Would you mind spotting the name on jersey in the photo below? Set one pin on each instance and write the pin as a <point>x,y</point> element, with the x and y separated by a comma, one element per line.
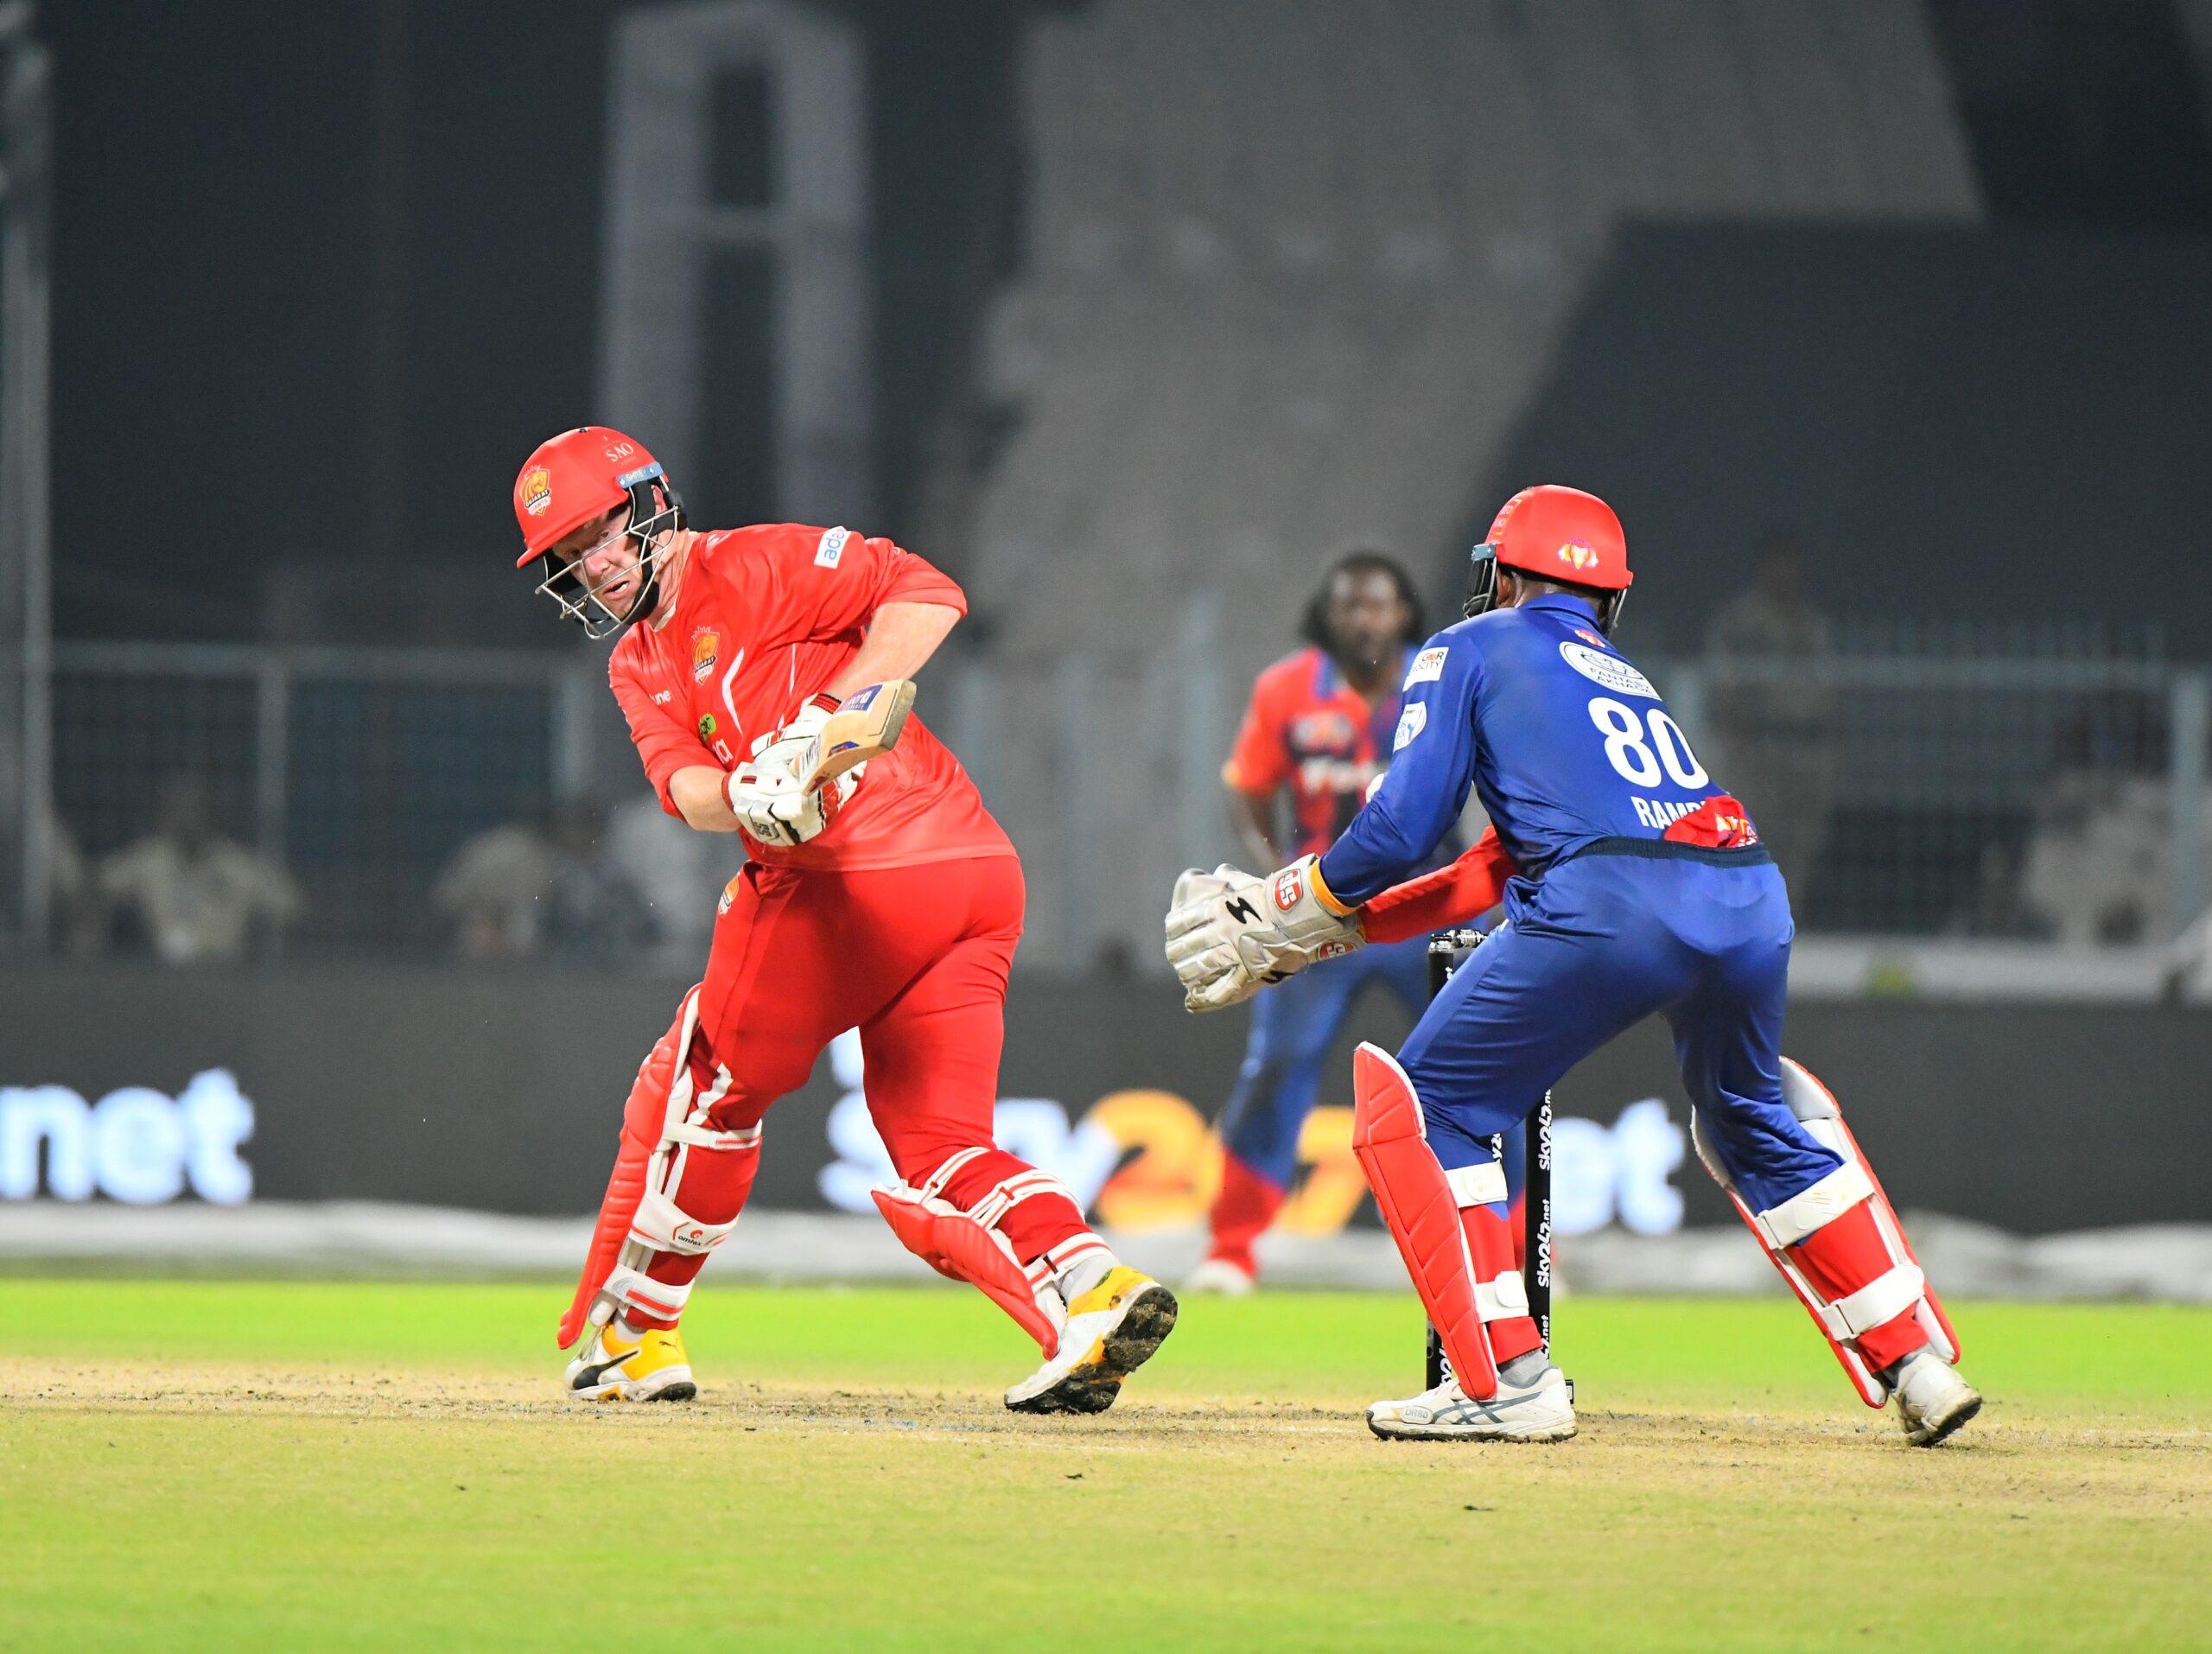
<point>1610,671</point>
<point>1334,775</point>
<point>1661,815</point>
<point>831,547</point>
<point>1427,667</point>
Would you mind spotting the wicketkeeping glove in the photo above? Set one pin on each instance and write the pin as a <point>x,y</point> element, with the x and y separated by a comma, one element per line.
<point>1230,934</point>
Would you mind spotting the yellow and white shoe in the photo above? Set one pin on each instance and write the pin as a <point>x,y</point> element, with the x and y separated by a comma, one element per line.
<point>1111,1331</point>
<point>616,1367</point>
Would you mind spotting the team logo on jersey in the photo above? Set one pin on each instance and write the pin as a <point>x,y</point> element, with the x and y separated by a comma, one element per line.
<point>536,490</point>
<point>704,645</point>
<point>1577,554</point>
<point>1289,888</point>
<point>1427,667</point>
<point>831,547</point>
<point>1323,732</point>
<point>1610,671</point>
<point>1411,722</point>
<point>707,726</point>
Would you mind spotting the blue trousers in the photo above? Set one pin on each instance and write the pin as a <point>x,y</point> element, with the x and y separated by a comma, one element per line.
<point>1294,1025</point>
<point>1603,941</point>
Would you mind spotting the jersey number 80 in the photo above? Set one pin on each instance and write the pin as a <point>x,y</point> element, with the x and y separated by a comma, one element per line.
<point>1638,760</point>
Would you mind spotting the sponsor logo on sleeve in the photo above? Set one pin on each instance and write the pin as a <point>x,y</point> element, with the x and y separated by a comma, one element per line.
<point>662,698</point>
<point>1610,671</point>
<point>1411,722</point>
<point>707,726</point>
<point>536,490</point>
<point>1427,667</point>
<point>831,548</point>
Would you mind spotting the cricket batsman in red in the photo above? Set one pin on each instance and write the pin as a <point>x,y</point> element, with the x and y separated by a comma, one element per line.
<point>885,900</point>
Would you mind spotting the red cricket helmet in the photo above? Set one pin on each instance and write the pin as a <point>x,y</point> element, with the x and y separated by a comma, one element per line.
<point>578,476</point>
<point>1554,533</point>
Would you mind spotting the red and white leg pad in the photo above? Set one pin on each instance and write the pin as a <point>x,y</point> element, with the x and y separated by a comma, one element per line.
<point>1879,1288</point>
<point>669,1153</point>
<point>971,1245</point>
<point>1389,1136</point>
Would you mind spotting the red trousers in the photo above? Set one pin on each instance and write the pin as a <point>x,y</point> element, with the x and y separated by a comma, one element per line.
<point>916,958</point>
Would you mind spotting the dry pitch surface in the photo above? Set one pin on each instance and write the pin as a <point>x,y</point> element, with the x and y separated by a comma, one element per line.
<point>244,1466</point>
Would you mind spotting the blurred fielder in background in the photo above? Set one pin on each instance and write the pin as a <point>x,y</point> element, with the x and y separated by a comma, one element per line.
<point>1318,729</point>
<point>1634,884</point>
<point>885,898</point>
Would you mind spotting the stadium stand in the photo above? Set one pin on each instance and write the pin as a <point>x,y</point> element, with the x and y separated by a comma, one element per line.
<point>1292,271</point>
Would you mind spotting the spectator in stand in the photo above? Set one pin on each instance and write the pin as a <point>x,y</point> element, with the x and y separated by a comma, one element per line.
<point>492,891</point>
<point>1781,730</point>
<point>2100,863</point>
<point>539,886</point>
<point>678,872</point>
<point>592,910</point>
<point>70,910</point>
<point>194,896</point>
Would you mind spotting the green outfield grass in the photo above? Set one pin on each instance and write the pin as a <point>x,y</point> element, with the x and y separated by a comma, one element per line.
<point>236,1465</point>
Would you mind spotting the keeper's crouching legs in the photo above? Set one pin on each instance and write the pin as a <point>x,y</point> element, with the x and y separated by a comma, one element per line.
<point>1839,1245</point>
<point>1452,1231</point>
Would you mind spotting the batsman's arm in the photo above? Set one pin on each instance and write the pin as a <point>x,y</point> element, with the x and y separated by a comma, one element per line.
<point>1452,896</point>
<point>902,637</point>
<point>699,795</point>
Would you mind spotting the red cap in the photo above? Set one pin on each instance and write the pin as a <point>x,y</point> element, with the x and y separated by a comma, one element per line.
<point>1557,533</point>
<point>580,474</point>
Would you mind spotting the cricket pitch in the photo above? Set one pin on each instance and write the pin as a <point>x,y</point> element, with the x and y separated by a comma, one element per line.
<point>195,1463</point>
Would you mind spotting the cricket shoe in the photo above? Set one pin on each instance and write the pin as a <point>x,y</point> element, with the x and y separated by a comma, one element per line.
<point>617,1367</point>
<point>1543,1411</point>
<point>1111,1331</point>
<point>1933,1401</point>
<point>1221,1276</point>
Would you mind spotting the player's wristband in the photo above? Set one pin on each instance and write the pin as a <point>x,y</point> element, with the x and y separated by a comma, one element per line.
<point>1322,894</point>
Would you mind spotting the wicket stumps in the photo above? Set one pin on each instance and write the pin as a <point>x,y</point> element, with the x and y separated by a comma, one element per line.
<point>1446,951</point>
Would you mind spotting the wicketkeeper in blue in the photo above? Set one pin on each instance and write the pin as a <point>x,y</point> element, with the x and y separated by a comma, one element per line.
<point>1638,886</point>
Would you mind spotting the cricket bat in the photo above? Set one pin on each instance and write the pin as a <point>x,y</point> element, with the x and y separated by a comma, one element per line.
<point>869,723</point>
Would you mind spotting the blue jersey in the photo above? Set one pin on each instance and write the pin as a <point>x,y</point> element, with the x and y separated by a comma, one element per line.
<point>1564,741</point>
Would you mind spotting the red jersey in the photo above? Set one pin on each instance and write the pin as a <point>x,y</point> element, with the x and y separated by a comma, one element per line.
<point>762,619</point>
<point>1309,730</point>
